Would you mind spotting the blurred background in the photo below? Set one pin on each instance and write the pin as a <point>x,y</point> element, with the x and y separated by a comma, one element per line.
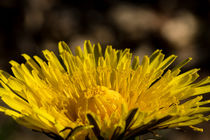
<point>175,26</point>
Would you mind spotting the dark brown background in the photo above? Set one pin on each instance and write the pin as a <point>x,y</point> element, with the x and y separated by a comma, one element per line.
<point>175,26</point>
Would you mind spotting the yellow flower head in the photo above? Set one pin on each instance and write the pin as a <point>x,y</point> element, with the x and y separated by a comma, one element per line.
<point>96,95</point>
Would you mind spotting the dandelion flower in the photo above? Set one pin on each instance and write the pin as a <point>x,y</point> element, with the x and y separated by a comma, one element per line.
<point>96,95</point>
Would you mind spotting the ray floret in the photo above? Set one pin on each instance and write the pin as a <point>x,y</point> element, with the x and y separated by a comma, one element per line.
<point>102,93</point>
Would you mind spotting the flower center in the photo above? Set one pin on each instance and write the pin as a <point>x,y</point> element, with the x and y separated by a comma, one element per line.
<point>101,101</point>
<point>94,92</point>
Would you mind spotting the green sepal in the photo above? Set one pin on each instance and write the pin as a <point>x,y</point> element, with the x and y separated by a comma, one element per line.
<point>96,129</point>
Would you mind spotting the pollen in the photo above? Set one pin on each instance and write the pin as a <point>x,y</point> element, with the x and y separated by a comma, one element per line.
<point>95,92</point>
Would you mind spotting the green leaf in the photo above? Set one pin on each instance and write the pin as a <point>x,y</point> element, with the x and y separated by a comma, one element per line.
<point>130,118</point>
<point>116,133</point>
<point>128,123</point>
<point>96,128</point>
<point>145,128</point>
